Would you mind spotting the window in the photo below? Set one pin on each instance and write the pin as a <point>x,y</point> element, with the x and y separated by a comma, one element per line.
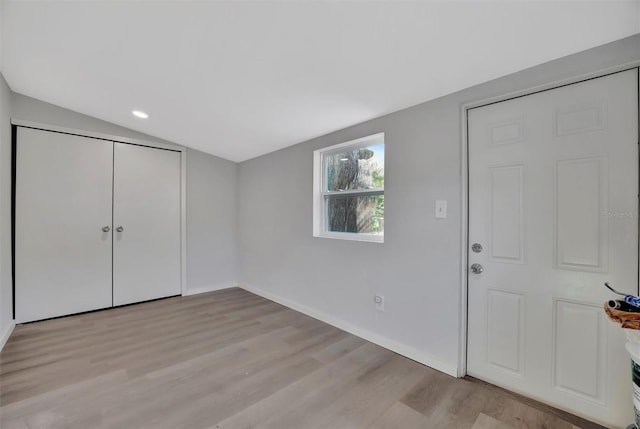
<point>349,190</point>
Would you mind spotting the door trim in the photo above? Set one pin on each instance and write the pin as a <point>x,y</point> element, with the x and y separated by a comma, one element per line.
<point>118,139</point>
<point>464,195</point>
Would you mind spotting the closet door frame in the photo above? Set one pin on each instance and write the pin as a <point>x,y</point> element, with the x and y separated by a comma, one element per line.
<point>117,139</point>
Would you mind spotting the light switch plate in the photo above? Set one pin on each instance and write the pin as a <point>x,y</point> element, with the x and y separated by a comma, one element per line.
<point>441,209</point>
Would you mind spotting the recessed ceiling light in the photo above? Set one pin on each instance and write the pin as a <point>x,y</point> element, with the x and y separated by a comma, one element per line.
<point>140,114</point>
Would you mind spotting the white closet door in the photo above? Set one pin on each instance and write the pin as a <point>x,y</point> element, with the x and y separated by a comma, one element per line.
<point>146,219</point>
<point>63,202</point>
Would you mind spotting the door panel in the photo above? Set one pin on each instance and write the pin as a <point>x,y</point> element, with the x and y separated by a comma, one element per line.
<point>505,336</point>
<point>147,252</point>
<point>507,211</point>
<point>553,199</point>
<point>63,200</point>
<point>580,339</point>
<point>582,232</point>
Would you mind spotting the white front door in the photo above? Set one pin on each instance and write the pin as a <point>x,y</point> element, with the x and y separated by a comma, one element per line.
<point>146,220</point>
<point>553,201</point>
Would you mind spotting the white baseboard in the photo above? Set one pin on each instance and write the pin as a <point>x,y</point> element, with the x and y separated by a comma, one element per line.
<point>210,288</point>
<point>402,349</point>
<point>6,334</point>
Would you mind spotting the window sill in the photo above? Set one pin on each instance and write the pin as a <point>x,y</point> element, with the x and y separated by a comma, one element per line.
<point>372,238</point>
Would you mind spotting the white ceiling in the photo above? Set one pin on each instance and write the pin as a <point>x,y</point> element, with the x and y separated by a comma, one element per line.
<point>240,79</point>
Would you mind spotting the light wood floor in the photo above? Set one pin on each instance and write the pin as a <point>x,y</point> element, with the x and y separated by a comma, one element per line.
<point>231,359</point>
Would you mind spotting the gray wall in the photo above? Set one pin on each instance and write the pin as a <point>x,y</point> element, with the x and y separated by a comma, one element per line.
<point>211,195</point>
<point>211,222</point>
<point>417,268</point>
<point>6,300</point>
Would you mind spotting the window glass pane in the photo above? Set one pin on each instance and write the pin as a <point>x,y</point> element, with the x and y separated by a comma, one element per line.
<point>359,168</point>
<point>355,213</point>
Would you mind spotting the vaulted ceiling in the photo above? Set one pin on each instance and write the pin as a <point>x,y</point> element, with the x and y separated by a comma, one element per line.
<point>240,79</point>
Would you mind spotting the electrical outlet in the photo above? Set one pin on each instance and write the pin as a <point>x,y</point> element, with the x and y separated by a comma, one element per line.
<point>379,301</point>
<point>441,209</point>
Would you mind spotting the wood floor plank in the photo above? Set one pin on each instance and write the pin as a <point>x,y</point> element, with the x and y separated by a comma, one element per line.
<point>338,349</point>
<point>231,359</point>
<point>290,407</point>
<point>365,401</point>
<point>485,422</point>
<point>400,416</point>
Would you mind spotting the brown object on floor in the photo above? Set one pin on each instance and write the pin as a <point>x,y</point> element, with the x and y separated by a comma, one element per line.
<point>626,319</point>
<point>231,359</point>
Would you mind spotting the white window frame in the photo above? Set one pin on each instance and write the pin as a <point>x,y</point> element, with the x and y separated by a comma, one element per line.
<point>320,194</point>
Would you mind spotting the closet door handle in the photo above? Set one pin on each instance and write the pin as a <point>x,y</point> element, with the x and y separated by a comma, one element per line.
<point>106,229</point>
<point>119,229</point>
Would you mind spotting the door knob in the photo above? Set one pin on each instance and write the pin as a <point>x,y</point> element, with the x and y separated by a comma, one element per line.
<point>106,229</point>
<point>476,269</point>
<point>119,229</point>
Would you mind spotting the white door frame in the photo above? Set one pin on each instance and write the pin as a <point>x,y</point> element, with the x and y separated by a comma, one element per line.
<point>464,195</point>
<point>119,139</point>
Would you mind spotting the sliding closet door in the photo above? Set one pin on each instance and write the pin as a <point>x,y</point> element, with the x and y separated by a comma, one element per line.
<point>63,224</point>
<point>146,219</point>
